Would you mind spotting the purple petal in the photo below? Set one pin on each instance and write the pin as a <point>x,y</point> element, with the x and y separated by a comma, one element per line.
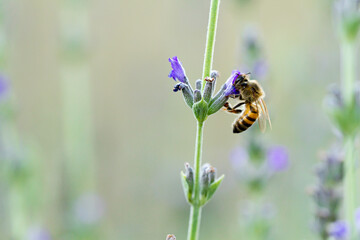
<point>277,158</point>
<point>177,72</point>
<point>230,89</point>
<point>338,230</point>
<point>4,86</point>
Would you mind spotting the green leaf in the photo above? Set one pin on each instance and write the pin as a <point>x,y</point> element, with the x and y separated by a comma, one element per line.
<point>185,186</point>
<point>212,189</point>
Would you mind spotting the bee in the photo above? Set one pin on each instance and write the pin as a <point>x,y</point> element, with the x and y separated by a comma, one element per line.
<point>252,95</point>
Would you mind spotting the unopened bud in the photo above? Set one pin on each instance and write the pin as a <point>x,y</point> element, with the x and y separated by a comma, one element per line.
<point>205,179</point>
<point>208,89</point>
<point>170,237</point>
<point>197,95</point>
<point>218,101</point>
<point>214,75</point>
<point>189,173</point>
<point>187,93</point>
<point>198,84</point>
<point>212,174</point>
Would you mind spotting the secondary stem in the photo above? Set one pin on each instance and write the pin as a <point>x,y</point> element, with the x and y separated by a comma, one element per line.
<point>348,70</point>
<point>195,212</point>
<point>210,40</point>
<point>350,185</point>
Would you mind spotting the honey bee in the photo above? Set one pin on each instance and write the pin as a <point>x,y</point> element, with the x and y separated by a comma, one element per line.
<point>252,95</point>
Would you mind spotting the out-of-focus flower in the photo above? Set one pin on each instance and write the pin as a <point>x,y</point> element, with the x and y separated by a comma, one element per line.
<point>330,169</point>
<point>338,230</point>
<point>230,89</point>
<point>177,72</point>
<point>239,158</point>
<point>260,69</point>
<point>89,208</point>
<point>38,233</point>
<point>4,86</point>
<point>277,158</point>
<point>357,219</point>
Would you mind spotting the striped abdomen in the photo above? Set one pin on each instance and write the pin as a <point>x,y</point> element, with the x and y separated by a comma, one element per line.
<point>246,119</point>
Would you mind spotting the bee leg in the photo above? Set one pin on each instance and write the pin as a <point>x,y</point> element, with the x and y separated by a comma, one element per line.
<point>228,108</point>
<point>238,105</point>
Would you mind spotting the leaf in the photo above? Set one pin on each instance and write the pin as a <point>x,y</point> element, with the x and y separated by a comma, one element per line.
<point>185,186</point>
<point>213,187</point>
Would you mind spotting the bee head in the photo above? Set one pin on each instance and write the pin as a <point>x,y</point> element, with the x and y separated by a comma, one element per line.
<point>241,81</point>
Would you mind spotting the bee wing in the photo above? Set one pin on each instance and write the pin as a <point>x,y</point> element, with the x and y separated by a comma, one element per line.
<point>262,118</point>
<point>264,115</point>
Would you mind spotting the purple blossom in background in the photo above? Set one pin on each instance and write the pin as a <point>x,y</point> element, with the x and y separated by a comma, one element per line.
<point>239,158</point>
<point>338,230</point>
<point>260,68</point>
<point>357,219</point>
<point>38,233</point>
<point>177,72</point>
<point>4,86</point>
<point>277,158</point>
<point>89,208</point>
<point>230,89</point>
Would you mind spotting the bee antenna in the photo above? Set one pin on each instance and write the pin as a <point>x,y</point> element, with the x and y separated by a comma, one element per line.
<point>248,73</point>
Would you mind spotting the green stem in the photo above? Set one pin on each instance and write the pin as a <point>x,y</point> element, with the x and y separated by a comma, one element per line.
<point>210,40</point>
<point>350,185</point>
<point>195,212</point>
<point>348,68</point>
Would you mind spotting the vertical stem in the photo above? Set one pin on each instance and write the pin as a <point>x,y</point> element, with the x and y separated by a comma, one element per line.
<point>350,185</point>
<point>195,212</point>
<point>210,40</point>
<point>348,70</point>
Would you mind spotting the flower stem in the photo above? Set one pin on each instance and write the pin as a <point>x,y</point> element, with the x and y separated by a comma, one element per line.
<point>210,40</point>
<point>348,70</point>
<point>195,211</point>
<point>350,185</point>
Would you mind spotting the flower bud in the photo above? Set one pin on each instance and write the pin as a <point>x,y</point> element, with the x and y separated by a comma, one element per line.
<point>197,95</point>
<point>218,103</point>
<point>208,89</point>
<point>170,237</point>
<point>214,75</point>
<point>205,180</point>
<point>187,93</point>
<point>189,173</point>
<point>198,84</point>
<point>212,174</point>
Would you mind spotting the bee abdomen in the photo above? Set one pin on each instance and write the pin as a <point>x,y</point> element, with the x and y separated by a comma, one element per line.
<point>244,122</point>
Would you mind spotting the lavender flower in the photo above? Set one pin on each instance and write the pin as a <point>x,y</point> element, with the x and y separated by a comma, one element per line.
<point>38,233</point>
<point>230,89</point>
<point>338,230</point>
<point>177,72</point>
<point>4,86</point>
<point>277,158</point>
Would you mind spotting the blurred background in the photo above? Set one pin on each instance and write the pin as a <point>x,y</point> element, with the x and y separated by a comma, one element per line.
<point>93,137</point>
